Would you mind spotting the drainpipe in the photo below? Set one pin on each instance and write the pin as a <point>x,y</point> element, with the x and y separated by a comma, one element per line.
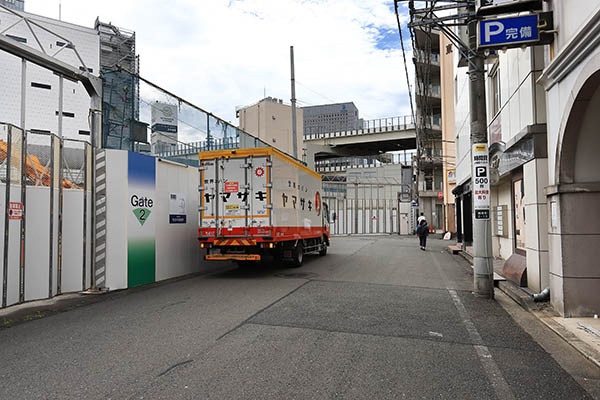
<point>542,296</point>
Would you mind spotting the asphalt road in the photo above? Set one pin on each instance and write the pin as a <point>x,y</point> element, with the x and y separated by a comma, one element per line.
<point>376,318</point>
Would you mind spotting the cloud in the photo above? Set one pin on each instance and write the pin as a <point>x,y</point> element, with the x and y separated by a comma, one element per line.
<point>219,54</point>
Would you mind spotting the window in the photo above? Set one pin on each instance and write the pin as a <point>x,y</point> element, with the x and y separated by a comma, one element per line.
<point>86,133</point>
<point>494,85</point>
<point>66,114</point>
<point>63,44</point>
<point>17,38</point>
<point>519,209</point>
<point>40,85</point>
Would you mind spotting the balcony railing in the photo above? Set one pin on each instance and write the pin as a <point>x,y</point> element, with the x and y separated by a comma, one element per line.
<point>430,91</point>
<point>422,57</point>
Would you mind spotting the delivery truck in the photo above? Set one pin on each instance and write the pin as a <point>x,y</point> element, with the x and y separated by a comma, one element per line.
<point>260,203</point>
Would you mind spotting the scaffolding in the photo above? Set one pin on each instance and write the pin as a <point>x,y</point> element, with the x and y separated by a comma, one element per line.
<point>121,92</point>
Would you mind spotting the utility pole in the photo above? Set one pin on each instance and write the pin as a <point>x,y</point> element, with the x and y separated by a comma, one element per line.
<point>483,274</point>
<point>294,130</point>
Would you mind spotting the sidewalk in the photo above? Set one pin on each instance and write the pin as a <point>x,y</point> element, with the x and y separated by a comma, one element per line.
<point>583,334</point>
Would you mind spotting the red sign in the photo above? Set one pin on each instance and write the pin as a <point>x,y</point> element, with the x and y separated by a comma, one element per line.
<point>318,203</point>
<point>15,210</point>
<point>440,195</point>
<point>232,187</point>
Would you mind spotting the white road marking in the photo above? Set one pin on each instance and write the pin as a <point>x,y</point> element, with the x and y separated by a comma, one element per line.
<point>490,367</point>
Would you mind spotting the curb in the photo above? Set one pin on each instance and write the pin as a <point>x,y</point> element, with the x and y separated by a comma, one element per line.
<point>545,314</point>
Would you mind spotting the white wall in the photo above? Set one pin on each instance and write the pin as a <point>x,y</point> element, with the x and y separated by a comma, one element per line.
<point>522,100</point>
<point>177,247</point>
<point>462,127</point>
<point>116,217</point>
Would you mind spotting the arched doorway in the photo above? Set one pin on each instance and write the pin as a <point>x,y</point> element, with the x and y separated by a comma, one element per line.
<point>574,207</point>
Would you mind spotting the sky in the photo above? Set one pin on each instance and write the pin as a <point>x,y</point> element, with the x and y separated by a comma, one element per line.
<point>219,54</point>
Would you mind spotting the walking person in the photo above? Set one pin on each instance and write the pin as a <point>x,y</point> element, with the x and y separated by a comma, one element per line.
<point>423,232</point>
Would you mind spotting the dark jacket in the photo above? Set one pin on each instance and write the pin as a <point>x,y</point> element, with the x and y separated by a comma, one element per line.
<point>423,230</point>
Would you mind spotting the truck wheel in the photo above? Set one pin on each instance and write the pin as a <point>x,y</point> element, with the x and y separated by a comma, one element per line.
<point>323,251</point>
<point>297,256</point>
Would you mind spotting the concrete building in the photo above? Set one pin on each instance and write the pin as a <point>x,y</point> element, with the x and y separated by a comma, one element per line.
<point>542,104</point>
<point>271,121</point>
<point>42,85</point>
<point>517,136</point>
<point>429,127</point>
<point>18,5</point>
<point>571,195</point>
<point>327,118</point>
<point>448,147</point>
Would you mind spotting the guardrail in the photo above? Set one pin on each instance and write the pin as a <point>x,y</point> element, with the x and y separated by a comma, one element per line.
<point>380,125</point>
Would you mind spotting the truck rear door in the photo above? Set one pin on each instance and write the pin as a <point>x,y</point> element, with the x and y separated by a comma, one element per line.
<point>234,194</point>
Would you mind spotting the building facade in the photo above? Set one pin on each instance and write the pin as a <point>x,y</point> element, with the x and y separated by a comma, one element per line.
<point>516,115</point>
<point>43,86</point>
<point>271,121</point>
<point>448,148</point>
<point>328,118</point>
<point>571,79</point>
<point>542,104</point>
<point>428,110</point>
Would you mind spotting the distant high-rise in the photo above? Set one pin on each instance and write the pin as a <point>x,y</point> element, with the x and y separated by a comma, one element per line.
<point>331,118</point>
<point>18,5</point>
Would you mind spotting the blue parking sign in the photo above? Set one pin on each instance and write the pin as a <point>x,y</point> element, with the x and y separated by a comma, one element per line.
<point>508,32</point>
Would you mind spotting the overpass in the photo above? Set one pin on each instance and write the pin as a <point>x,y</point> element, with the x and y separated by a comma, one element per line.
<point>376,137</point>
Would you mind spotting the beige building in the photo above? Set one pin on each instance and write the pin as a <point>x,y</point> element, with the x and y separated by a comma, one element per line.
<point>448,148</point>
<point>271,121</point>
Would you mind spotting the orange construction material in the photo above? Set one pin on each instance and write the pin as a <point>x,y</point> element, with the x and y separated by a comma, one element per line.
<point>35,170</point>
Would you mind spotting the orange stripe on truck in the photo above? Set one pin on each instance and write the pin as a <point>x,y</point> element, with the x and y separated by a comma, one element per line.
<point>235,242</point>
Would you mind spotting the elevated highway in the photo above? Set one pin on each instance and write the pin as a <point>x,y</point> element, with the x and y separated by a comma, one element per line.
<point>377,136</point>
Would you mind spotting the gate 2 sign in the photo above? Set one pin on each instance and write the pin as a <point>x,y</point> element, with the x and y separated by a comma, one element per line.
<point>508,32</point>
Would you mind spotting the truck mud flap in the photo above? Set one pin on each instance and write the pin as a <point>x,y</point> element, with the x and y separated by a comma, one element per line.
<point>236,257</point>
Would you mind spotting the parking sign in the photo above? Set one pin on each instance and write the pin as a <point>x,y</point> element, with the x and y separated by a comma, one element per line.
<point>508,32</point>
<point>481,181</point>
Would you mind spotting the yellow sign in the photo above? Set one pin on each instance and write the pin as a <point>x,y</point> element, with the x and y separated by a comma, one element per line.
<point>232,207</point>
<point>481,148</point>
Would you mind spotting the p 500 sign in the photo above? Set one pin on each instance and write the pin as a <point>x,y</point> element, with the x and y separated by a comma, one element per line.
<point>508,32</point>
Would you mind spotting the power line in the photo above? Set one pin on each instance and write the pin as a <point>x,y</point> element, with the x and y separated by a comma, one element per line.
<point>315,92</point>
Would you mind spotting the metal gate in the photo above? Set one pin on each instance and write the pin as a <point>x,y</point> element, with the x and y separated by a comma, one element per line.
<point>369,206</point>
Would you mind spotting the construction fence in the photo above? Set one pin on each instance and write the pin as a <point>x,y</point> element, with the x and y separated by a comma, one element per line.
<point>142,117</point>
<point>46,202</point>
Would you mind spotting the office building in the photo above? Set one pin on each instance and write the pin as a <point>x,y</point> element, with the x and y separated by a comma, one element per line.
<point>331,118</point>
